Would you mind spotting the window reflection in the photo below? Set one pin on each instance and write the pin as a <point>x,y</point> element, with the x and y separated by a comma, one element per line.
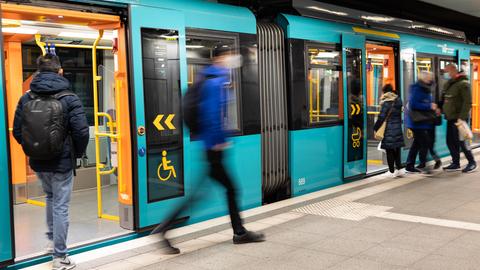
<point>324,82</point>
<point>200,51</point>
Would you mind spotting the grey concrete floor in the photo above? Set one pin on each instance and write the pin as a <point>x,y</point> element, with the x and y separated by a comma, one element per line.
<point>319,242</point>
<point>30,226</point>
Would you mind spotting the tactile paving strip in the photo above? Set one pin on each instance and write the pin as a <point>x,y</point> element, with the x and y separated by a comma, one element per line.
<point>343,209</point>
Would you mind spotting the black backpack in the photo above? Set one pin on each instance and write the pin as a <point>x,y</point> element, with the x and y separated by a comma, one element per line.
<point>43,126</point>
<point>190,106</point>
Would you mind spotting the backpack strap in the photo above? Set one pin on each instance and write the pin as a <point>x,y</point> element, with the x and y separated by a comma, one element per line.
<point>31,94</point>
<point>63,93</point>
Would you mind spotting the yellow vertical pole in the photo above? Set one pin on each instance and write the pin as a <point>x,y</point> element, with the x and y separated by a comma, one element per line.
<point>318,95</point>
<point>97,78</point>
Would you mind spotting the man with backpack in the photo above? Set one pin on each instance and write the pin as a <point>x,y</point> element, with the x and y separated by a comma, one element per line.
<point>202,111</point>
<point>52,128</point>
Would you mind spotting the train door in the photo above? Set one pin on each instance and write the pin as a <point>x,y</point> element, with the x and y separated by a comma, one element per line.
<point>159,71</point>
<point>475,81</point>
<point>353,47</point>
<point>381,69</point>
<point>91,48</point>
<point>6,223</point>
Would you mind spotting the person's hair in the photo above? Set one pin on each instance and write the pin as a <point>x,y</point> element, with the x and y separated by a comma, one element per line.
<point>424,75</point>
<point>388,88</point>
<point>48,63</point>
<point>452,66</point>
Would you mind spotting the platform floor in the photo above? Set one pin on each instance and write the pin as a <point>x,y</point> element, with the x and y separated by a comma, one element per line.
<point>414,222</point>
<point>30,226</point>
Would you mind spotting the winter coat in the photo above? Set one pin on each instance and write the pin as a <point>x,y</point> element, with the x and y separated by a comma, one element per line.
<point>49,83</point>
<point>210,107</point>
<point>393,137</point>
<point>457,99</point>
<point>421,100</point>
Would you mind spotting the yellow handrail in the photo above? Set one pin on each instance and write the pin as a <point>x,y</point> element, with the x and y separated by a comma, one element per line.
<point>40,44</point>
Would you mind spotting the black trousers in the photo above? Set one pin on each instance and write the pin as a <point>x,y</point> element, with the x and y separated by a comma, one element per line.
<point>421,144</point>
<point>218,173</point>
<point>455,145</point>
<point>394,159</point>
<point>431,148</point>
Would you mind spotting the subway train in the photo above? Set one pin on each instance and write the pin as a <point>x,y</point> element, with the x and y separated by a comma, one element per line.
<point>300,109</point>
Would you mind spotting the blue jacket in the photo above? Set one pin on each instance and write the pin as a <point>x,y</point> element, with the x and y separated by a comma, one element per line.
<point>212,101</point>
<point>420,99</point>
<point>49,83</point>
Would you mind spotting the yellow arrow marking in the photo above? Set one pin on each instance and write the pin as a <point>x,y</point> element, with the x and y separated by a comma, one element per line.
<point>353,109</point>
<point>156,122</point>
<point>168,121</point>
<point>358,108</point>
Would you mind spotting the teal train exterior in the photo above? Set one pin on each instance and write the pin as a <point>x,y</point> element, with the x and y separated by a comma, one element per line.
<point>318,154</point>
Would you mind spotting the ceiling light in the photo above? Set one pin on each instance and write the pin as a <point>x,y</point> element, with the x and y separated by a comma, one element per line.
<point>377,18</point>
<point>326,55</point>
<point>328,11</point>
<point>20,30</point>
<point>87,35</point>
<point>194,46</point>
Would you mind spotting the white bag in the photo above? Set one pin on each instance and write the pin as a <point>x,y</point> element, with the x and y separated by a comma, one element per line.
<point>464,131</point>
<point>379,147</point>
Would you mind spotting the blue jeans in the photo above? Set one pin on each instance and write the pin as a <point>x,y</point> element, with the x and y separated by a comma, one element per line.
<point>58,188</point>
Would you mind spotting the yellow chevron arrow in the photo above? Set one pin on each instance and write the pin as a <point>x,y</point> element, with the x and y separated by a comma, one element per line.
<point>156,122</point>
<point>358,108</point>
<point>168,121</point>
<point>353,109</point>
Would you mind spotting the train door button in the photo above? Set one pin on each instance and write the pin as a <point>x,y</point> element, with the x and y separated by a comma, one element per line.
<point>141,130</point>
<point>141,151</point>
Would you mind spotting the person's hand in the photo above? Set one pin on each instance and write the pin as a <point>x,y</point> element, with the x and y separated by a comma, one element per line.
<point>434,106</point>
<point>221,146</point>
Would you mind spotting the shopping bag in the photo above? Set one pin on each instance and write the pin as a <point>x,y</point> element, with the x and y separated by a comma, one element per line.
<point>464,131</point>
<point>380,133</point>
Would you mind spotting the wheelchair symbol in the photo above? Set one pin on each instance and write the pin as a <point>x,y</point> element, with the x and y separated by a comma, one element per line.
<point>164,166</point>
<point>356,136</point>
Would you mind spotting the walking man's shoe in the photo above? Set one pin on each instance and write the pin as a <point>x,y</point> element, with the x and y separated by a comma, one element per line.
<point>248,237</point>
<point>63,263</point>
<point>471,167</point>
<point>452,168</point>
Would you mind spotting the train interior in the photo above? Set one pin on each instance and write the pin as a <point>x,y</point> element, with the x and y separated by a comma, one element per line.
<point>88,48</point>
<point>380,71</point>
<point>474,70</point>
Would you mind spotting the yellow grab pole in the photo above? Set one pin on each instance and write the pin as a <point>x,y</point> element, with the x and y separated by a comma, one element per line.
<point>40,44</point>
<point>97,78</point>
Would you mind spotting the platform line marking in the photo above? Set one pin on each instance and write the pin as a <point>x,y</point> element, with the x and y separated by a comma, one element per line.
<point>430,221</point>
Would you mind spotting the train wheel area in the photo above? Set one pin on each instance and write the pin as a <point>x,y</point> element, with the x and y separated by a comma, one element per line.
<point>92,50</point>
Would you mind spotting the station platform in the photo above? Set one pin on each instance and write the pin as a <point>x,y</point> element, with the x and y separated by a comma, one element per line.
<point>413,222</point>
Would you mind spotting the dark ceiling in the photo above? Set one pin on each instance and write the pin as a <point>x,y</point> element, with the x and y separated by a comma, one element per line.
<point>406,9</point>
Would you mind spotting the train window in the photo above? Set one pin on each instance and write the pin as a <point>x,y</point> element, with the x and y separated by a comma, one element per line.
<point>323,84</point>
<point>408,73</point>
<point>77,68</point>
<point>200,51</point>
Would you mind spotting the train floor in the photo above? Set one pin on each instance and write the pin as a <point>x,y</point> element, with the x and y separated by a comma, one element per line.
<point>85,226</point>
<point>413,222</point>
<point>375,159</point>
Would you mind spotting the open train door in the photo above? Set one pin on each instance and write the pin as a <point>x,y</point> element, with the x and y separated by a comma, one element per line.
<point>159,74</point>
<point>354,151</point>
<point>6,241</point>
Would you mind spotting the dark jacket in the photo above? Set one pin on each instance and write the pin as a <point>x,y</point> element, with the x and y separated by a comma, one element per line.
<point>421,100</point>
<point>393,137</point>
<point>457,98</point>
<point>49,83</point>
<point>212,101</point>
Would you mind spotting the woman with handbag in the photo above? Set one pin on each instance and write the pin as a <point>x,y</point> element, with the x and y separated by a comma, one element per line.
<point>388,128</point>
<point>420,118</point>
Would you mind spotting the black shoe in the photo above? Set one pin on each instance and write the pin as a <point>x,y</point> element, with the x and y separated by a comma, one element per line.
<point>471,167</point>
<point>412,170</point>
<point>421,166</point>
<point>168,249</point>
<point>452,168</point>
<point>248,237</point>
<point>438,164</point>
